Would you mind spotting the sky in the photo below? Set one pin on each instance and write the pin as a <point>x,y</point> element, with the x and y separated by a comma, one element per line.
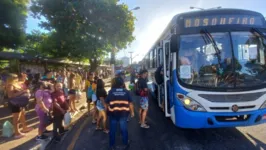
<point>154,15</point>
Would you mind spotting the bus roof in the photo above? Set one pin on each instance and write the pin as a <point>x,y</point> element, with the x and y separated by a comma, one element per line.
<point>172,24</point>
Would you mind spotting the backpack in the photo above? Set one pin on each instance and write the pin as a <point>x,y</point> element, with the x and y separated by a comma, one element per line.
<point>158,76</point>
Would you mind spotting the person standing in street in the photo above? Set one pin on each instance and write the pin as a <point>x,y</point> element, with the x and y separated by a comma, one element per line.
<point>118,102</point>
<point>132,76</point>
<point>122,76</point>
<point>144,100</point>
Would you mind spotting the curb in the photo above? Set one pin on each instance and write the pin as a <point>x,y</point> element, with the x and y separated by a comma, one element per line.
<point>69,127</point>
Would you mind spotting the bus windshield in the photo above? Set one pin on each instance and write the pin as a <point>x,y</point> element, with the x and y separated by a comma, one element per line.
<point>223,64</point>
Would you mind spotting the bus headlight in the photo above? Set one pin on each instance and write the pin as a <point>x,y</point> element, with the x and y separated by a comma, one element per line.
<point>263,105</point>
<point>189,103</point>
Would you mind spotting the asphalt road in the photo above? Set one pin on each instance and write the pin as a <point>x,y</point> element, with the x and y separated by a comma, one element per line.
<point>163,135</point>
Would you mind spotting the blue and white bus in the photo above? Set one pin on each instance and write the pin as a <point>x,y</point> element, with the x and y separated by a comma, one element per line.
<point>214,65</point>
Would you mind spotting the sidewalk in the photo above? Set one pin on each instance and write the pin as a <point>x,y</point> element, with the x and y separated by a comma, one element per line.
<point>29,142</point>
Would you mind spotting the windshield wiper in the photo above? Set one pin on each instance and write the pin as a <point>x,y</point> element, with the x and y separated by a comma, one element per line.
<point>255,30</point>
<point>212,41</point>
<point>252,30</point>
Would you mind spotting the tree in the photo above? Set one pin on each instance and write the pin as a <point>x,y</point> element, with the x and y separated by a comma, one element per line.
<point>119,63</point>
<point>86,29</point>
<point>12,23</point>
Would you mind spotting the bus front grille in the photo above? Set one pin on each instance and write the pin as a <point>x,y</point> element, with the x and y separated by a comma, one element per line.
<point>222,98</point>
<point>227,108</point>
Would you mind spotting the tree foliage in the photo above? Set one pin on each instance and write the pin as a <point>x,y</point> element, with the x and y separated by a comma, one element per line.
<point>86,28</point>
<point>38,43</point>
<point>12,23</point>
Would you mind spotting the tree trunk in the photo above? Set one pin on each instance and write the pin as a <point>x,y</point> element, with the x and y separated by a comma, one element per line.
<point>93,65</point>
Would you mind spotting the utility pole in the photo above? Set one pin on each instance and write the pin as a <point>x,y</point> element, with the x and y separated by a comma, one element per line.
<point>131,57</point>
<point>112,62</point>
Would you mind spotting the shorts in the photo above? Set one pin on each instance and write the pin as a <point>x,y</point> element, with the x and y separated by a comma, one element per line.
<point>99,105</point>
<point>14,109</point>
<point>72,92</point>
<point>144,103</point>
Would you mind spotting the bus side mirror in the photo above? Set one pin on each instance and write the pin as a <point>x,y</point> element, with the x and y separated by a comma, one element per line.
<point>174,43</point>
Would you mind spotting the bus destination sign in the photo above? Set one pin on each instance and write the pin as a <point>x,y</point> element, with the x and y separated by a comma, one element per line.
<point>223,20</point>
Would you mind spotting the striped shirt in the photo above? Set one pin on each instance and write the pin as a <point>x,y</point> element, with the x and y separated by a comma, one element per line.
<point>118,100</point>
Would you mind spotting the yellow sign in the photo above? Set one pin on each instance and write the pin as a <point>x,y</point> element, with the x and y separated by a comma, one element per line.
<point>222,20</point>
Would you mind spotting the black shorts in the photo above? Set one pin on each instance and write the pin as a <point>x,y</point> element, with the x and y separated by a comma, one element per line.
<point>14,109</point>
<point>72,92</point>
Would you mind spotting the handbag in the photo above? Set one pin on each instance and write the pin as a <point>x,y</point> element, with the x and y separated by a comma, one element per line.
<point>94,97</point>
<point>67,119</point>
<point>20,101</point>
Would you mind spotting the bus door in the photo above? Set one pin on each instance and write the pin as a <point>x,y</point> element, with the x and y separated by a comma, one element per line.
<point>159,87</point>
<point>166,63</point>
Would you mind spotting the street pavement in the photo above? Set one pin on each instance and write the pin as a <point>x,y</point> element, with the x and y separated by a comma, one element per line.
<point>163,135</point>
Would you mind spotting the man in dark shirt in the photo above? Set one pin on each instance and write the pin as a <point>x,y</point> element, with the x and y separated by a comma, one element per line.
<point>122,76</point>
<point>118,102</point>
<point>144,100</point>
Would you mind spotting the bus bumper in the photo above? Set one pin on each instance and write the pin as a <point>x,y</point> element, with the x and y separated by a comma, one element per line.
<point>196,120</point>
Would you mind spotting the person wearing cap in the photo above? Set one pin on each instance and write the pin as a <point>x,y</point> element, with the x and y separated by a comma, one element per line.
<point>118,102</point>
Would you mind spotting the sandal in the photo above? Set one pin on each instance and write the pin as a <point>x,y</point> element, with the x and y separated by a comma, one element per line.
<point>145,126</point>
<point>98,128</point>
<point>106,131</point>
<point>94,121</point>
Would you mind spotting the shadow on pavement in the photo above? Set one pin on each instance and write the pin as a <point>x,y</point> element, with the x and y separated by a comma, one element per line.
<point>164,135</point>
<point>259,143</point>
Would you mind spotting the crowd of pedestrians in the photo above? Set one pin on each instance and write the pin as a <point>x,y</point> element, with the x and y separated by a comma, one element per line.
<point>57,93</point>
<point>117,105</point>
